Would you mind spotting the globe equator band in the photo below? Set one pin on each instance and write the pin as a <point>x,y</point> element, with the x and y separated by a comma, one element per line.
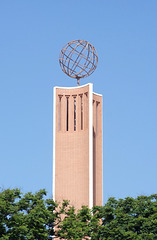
<point>80,64</point>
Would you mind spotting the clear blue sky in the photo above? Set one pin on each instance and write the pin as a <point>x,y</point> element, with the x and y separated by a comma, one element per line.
<point>124,34</point>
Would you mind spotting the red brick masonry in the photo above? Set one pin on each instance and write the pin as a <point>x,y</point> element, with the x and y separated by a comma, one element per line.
<point>73,178</point>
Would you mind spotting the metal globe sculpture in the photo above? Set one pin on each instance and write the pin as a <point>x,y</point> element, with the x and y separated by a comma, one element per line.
<point>78,59</point>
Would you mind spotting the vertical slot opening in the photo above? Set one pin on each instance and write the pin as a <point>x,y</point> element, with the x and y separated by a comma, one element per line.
<point>59,113</point>
<point>81,112</point>
<point>96,130</point>
<point>74,113</point>
<point>86,110</point>
<point>67,123</point>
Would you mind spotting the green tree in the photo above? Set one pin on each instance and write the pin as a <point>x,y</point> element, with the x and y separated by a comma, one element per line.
<point>26,217</point>
<point>130,218</point>
<point>30,217</point>
<point>75,225</point>
<point>127,219</point>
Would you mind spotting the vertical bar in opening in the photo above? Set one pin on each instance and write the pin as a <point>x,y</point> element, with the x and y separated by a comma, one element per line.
<point>67,123</point>
<point>74,113</point>
<point>81,112</point>
<point>59,113</point>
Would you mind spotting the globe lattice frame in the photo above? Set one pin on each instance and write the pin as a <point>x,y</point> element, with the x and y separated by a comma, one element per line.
<point>78,59</point>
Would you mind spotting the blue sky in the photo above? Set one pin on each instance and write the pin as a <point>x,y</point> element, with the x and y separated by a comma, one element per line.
<point>124,34</point>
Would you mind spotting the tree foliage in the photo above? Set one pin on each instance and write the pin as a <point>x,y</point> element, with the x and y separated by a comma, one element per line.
<point>26,217</point>
<point>29,216</point>
<point>123,219</point>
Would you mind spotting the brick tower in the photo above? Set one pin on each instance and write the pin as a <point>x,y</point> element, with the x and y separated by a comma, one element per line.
<point>77,146</point>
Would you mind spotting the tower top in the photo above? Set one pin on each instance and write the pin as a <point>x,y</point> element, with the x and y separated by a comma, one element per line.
<point>78,59</point>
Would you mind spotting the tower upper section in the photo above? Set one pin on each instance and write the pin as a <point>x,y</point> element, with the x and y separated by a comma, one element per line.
<point>77,146</point>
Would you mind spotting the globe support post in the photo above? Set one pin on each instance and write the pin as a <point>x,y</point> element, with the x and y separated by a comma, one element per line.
<point>78,81</point>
